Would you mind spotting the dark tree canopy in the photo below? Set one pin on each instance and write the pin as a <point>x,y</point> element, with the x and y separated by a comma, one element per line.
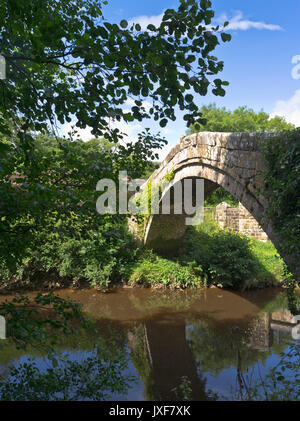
<point>64,60</point>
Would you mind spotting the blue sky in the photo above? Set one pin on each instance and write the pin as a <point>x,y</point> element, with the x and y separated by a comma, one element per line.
<point>258,59</point>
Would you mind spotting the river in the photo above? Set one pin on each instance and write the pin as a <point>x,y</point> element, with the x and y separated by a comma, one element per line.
<point>195,344</point>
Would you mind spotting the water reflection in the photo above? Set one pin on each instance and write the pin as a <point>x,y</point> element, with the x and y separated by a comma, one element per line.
<point>167,352</point>
<point>165,362</point>
<point>193,345</point>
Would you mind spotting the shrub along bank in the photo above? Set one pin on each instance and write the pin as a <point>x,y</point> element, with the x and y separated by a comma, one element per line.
<point>209,256</point>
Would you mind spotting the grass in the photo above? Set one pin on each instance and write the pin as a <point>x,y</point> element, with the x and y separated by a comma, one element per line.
<point>154,271</point>
<point>270,266</point>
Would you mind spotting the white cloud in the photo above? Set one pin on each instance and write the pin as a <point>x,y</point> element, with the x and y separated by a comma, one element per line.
<point>84,134</point>
<point>238,22</point>
<point>289,109</point>
<point>130,129</point>
<point>144,20</point>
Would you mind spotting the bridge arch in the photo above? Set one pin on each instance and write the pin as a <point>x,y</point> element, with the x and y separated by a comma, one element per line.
<point>233,161</point>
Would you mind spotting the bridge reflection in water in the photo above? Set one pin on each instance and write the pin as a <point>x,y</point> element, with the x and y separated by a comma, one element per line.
<point>163,359</point>
<point>172,357</point>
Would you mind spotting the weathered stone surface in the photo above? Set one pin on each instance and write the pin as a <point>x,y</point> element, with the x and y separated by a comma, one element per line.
<point>2,327</point>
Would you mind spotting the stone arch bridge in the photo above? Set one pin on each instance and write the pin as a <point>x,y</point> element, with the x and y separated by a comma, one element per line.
<point>231,160</point>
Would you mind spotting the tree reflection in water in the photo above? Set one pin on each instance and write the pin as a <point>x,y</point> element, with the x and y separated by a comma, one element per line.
<point>95,377</point>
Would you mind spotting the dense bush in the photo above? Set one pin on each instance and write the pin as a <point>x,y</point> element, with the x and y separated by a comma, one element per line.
<point>225,257</point>
<point>98,257</point>
<point>49,226</point>
<point>282,180</point>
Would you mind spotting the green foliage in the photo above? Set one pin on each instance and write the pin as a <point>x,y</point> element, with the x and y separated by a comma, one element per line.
<point>150,168</point>
<point>242,119</point>
<point>48,218</point>
<point>292,297</point>
<point>155,271</point>
<point>64,65</point>
<point>169,176</point>
<point>282,178</point>
<point>147,198</point>
<point>64,59</point>
<point>269,266</point>
<point>220,195</point>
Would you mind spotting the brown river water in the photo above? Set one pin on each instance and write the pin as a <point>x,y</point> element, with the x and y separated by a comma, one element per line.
<point>194,344</point>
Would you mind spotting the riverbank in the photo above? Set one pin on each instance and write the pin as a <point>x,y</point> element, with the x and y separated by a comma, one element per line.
<point>209,256</point>
<point>50,285</point>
